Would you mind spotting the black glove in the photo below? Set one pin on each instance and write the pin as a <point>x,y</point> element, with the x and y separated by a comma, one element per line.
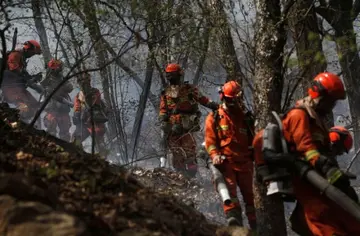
<point>76,118</point>
<point>350,191</point>
<point>350,175</point>
<point>329,168</point>
<point>213,105</point>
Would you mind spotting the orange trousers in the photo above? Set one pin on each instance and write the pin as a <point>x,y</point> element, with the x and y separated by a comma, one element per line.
<point>82,132</point>
<point>324,217</point>
<point>52,120</point>
<point>22,99</point>
<point>241,176</point>
<point>183,148</point>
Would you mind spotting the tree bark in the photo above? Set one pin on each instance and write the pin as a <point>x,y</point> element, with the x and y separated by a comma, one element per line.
<point>228,53</point>
<point>340,15</point>
<point>37,14</point>
<point>153,99</point>
<point>151,29</point>
<point>304,26</point>
<point>311,59</point>
<point>101,57</point>
<point>270,42</point>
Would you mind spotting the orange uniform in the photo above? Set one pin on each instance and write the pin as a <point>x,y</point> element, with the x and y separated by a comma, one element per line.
<point>179,110</point>
<point>58,113</point>
<point>228,135</point>
<point>14,85</point>
<point>16,61</point>
<point>180,100</point>
<point>83,125</point>
<point>306,135</point>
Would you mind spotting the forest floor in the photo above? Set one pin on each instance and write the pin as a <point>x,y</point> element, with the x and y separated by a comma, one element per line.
<point>50,187</point>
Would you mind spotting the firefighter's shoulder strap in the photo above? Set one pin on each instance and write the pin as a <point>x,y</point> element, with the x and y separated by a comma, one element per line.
<point>217,117</point>
<point>163,95</point>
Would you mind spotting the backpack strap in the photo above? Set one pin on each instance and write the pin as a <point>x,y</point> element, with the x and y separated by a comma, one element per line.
<point>217,117</point>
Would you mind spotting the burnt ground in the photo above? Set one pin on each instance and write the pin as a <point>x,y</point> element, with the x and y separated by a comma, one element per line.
<point>50,187</point>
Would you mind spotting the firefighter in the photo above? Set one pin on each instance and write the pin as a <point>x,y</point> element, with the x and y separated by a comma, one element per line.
<point>228,137</point>
<point>57,113</point>
<point>16,79</point>
<point>341,143</point>
<point>82,116</point>
<point>341,140</point>
<point>180,116</point>
<point>308,138</point>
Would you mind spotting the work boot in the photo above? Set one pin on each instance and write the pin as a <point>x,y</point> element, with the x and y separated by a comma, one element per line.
<point>234,217</point>
<point>190,170</point>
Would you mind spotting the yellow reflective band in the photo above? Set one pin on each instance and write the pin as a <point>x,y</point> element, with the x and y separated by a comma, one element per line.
<point>170,102</point>
<point>334,177</point>
<point>210,148</point>
<point>224,127</point>
<point>311,154</point>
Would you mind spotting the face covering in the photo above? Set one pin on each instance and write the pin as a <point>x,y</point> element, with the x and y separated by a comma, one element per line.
<point>174,81</point>
<point>233,104</point>
<point>325,106</point>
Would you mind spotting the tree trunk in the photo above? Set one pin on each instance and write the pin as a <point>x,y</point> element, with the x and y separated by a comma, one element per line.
<point>228,53</point>
<point>269,46</point>
<point>101,57</point>
<point>153,99</point>
<point>57,35</point>
<point>311,59</point>
<point>142,105</point>
<point>339,14</point>
<point>37,14</point>
<point>152,21</point>
<point>305,32</point>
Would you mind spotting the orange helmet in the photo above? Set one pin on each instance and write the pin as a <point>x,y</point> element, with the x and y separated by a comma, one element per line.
<point>231,89</point>
<point>55,64</point>
<point>327,84</point>
<point>32,45</point>
<point>173,67</point>
<point>341,137</point>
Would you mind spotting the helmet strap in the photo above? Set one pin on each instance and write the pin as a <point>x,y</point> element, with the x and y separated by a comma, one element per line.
<point>318,89</point>
<point>173,78</point>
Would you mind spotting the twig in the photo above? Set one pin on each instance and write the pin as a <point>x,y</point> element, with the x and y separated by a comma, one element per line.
<point>66,78</point>
<point>4,53</point>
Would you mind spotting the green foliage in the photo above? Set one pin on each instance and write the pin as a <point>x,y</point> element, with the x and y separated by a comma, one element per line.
<point>292,63</point>
<point>320,57</point>
<point>312,36</point>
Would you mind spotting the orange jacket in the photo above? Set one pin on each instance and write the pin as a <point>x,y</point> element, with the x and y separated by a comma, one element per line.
<point>303,135</point>
<point>231,134</point>
<point>16,61</point>
<point>79,101</point>
<point>180,99</point>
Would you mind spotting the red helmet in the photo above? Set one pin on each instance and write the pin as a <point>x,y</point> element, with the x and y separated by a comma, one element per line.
<point>340,136</point>
<point>231,89</point>
<point>173,67</point>
<point>327,84</point>
<point>55,64</point>
<point>32,45</point>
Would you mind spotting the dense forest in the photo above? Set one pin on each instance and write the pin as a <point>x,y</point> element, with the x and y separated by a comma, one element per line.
<point>272,48</point>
